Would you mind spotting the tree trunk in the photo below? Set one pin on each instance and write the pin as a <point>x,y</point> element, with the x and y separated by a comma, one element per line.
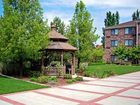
<point>78,64</point>
<point>21,69</point>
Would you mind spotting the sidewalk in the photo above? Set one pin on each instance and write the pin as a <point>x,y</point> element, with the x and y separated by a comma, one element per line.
<point>118,90</point>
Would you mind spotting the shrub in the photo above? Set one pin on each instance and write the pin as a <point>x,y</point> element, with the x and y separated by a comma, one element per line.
<point>74,80</point>
<point>69,81</point>
<point>67,76</point>
<point>79,78</point>
<point>42,79</point>
<point>106,73</point>
<point>87,74</point>
<point>83,67</point>
<point>33,79</point>
<point>34,73</point>
<point>52,79</point>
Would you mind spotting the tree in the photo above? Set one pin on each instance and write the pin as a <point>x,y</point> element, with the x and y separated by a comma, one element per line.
<point>136,15</point>
<point>121,52</point>
<point>81,32</point>
<point>98,53</point>
<point>134,54</point>
<point>112,19</point>
<point>24,31</point>
<point>59,24</point>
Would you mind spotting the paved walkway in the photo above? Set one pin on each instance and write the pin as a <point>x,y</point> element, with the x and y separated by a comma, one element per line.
<point>118,90</point>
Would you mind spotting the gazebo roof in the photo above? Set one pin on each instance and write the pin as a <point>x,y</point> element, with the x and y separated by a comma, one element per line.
<point>61,46</point>
<point>58,41</point>
<point>54,35</point>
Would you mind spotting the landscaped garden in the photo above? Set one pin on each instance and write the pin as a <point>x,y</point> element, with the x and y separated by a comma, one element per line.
<point>9,85</point>
<point>105,70</point>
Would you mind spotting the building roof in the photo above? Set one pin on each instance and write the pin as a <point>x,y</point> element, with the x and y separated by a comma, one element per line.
<point>126,24</point>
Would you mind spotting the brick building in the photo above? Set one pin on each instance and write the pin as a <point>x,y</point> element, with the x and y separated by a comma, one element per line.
<point>127,34</point>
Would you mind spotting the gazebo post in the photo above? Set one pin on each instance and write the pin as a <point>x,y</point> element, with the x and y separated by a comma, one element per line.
<point>73,63</point>
<point>42,62</point>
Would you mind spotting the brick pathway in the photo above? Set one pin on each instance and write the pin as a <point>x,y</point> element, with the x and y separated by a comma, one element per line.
<point>118,90</point>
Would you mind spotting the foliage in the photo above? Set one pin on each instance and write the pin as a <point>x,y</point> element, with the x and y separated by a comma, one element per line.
<point>87,74</point>
<point>59,24</point>
<point>67,76</point>
<point>136,15</point>
<point>121,52</point>
<point>111,18</point>
<point>98,54</point>
<point>17,85</point>
<point>81,32</point>
<point>83,67</point>
<point>69,81</point>
<point>33,79</point>
<point>52,79</point>
<point>133,53</point>
<point>79,78</point>
<point>43,79</point>
<point>104,74</point>
<point>24,32</point>
<point>34,74</point>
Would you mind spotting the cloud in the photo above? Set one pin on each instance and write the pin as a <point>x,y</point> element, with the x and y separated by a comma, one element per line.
<point>62,15</point>
<point>113,3</point>
<point>101,3</point>
<point>98,8</point>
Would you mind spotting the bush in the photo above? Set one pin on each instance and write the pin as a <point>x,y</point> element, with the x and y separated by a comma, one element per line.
<point>52,79</point>
<point>106,73</point>
<point>42,79</point>
<point>83,67</point>
<point>34,74</point>
<point>67,76</point>
<point>69,81</point>
<point>87,74</point>
<point>74,80</point>
<point>33,79</point>
<point>79,78</point>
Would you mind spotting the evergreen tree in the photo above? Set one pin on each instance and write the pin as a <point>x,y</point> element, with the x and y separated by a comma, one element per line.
<point>136,15</point>
<point>82,33</point>
<point>59,24</point>
<point>24,31</point>
<point>111,19</point>
<point>117,18</point>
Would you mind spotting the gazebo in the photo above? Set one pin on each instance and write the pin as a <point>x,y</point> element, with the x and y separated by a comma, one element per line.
<point>59,45</point>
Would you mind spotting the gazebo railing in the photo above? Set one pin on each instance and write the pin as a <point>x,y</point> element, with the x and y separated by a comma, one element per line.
<point>54,71</point>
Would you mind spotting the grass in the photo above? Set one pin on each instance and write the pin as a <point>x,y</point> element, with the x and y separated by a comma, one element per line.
<point>117,69</point>
<point>8,85</point>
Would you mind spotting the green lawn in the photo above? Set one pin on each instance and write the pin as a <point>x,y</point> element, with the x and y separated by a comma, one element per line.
<point>8,85</point>
<point>117,69</point>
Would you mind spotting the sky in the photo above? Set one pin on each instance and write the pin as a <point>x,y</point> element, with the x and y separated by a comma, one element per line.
<point>97,8</point>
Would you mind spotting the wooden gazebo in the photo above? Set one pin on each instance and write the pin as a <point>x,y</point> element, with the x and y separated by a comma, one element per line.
<point>59,44</point>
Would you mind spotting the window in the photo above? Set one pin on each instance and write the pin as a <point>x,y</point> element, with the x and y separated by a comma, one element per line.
<point>129,42</point>
<point>128,30</point>
<point>114,31</point>
<point>114,43</point>
<point>113,58</point>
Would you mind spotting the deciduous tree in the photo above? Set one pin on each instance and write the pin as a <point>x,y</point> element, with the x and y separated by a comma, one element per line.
<point>82,33</point>
<point>23,31</point>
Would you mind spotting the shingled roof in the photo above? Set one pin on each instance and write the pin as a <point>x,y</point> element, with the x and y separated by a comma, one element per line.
<point>126,24</point>
<point>58,41</point>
